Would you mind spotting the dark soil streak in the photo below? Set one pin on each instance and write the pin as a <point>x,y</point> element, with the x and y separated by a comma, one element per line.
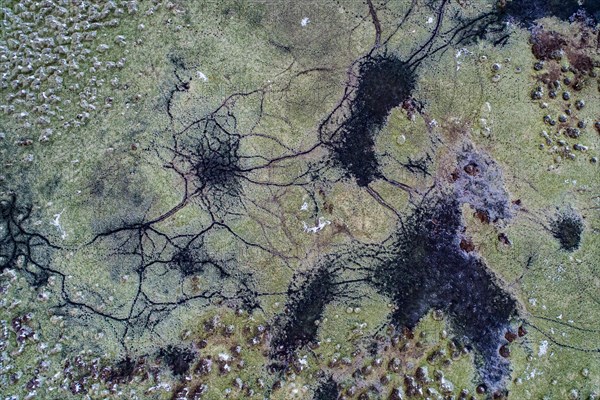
<point>305,306</point>
<point>376,23</point>
<point>383,82</point>
<point>430,271</point>
<point>20,246</point>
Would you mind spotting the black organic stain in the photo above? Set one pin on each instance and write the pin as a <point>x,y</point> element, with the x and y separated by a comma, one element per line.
<point>193,260</point>
<point>214,159</point>
<point>206,155</point>
<point>177,60</point>
<point>567,229</point>
<point>384,82</point>
<point>123,371</point>
<point>184,261</point>
<point>39,277</point>
<point>328,390</point>
<point>177,358</point>
<point>419,165</point>
<point>528,11</point>
<point>20,246</point>
<point>430,271</point>
<point>305,306</point>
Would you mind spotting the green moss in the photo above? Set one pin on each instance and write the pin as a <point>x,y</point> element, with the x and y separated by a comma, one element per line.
<point>109,171</point>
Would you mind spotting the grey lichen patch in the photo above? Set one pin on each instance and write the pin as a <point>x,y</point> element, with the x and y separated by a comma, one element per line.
<point>478,181</point>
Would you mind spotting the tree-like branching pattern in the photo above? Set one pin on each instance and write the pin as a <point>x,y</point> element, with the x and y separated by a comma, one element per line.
<point>425,264</point>
<point>21,246</point>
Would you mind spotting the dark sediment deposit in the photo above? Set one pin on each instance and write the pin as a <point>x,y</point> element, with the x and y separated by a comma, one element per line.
<point>384,82</point>
<point>305,306</point>
<point>430,266</point>
<point>567,229</point>
<point>430,271</point>
<point>527,11</point>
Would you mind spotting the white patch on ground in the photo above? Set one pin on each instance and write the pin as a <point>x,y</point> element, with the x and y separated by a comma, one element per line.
<point>161,386</point>
<point>303,363</point>
<point>532,374</point>
<point>305,21</point>
<point>485,129</point>
<point>459,54</point>
<point>533,301</point>
<point>304,207</point>
<point>202,76</point>
<point>543,348</point>
<point>322,224</point>
<point>56,223</point>
<point>430,20</point>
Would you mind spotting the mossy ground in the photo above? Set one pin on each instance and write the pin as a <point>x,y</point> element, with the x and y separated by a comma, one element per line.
<point>109,171</point>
